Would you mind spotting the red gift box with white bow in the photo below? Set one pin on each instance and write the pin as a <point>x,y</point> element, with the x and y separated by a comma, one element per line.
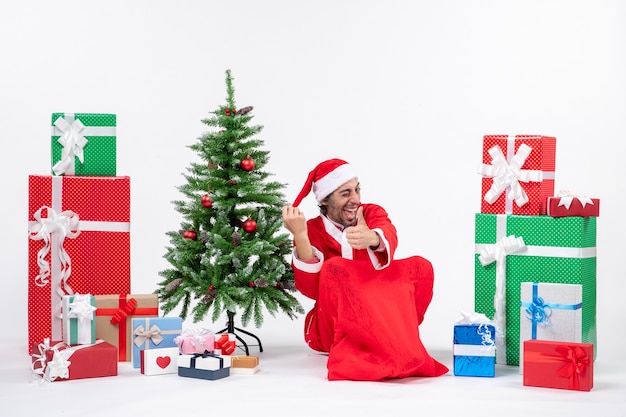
<point>58,361</point>
<point>571,204</point>
<point>79,242</point>
<point>518,174</point>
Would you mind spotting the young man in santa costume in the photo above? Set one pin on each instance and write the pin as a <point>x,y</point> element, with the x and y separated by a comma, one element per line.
<point>368,305</point>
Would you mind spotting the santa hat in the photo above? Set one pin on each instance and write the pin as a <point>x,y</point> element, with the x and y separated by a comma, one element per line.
<point>326,178</point>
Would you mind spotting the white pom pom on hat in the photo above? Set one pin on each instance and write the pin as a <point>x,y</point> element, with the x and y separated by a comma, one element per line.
<point>325,178</point>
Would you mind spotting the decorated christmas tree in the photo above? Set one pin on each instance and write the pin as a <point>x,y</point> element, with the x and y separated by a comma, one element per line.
<point>230,253</point>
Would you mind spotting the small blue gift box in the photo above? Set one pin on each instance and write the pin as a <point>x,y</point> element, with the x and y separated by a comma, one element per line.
<point>154,332</point>
<point>204,366</point>
<point>474,350</point>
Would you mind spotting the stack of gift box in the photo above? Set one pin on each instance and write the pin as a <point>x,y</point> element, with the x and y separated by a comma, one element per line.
<point>82,317</point>
<point>535,266</point>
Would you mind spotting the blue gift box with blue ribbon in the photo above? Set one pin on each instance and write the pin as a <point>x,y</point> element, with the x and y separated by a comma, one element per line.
<point>474,350</point>
<point>550,311</point>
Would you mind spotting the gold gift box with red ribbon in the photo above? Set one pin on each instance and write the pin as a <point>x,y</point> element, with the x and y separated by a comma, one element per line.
<point>114,314</point>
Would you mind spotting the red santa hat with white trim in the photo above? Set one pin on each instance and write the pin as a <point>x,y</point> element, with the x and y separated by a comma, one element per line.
<point>326,178</point>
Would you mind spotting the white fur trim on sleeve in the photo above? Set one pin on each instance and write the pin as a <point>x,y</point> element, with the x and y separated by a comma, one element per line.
<point>311,268</point>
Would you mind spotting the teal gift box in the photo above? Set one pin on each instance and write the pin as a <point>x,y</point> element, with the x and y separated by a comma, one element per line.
<point>511,249</point>
<point>84,144</point>
<point>152,333</point>
<point>79,319</point>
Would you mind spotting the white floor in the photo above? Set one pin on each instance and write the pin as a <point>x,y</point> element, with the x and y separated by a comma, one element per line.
<point>292,381</point>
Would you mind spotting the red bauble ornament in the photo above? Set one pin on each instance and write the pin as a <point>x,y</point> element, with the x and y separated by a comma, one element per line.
<point>206,201</point>
<point>250,284</point>
<point>227,112</point>
<point>249,226</point>
<point>247,164</point>
<point>211,287</point>
<point>190,234</point>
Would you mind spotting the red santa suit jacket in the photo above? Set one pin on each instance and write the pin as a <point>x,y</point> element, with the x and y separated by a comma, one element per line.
<point>368,305</point>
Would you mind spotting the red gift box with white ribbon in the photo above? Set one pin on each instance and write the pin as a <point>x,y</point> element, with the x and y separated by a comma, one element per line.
<point>518,174</point>
<point>79,242</point>
<point>58,361</point>
<point>569,203</point>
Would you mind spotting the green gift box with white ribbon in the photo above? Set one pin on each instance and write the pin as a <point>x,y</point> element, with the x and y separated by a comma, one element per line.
<point>79,319</point>
<point>511,249</point>
<point>84,144</point>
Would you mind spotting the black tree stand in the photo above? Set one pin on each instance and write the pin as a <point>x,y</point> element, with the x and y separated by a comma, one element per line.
<point>230,328</point>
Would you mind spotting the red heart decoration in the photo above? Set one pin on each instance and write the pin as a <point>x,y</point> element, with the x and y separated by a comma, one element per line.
<point>163,361</point>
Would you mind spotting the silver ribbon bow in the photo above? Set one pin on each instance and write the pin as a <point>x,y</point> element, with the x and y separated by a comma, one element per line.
<point>153,334</point>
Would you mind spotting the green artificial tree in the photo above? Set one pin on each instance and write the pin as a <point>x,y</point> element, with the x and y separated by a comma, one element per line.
<point>230,254</point>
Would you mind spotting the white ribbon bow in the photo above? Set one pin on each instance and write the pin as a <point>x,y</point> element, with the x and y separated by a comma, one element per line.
<point>81,308</point>
<point>508,175</point>
<point>56,225</point>
<point>73,143</point>
<point>474,318</point>
<point>482,321</point>
<point>57,367</point>
<point>497,253</point>
<point>141,335</point>
<point>568,196</point>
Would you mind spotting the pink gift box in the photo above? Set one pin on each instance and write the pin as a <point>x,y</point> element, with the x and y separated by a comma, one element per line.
<point>198,343</point>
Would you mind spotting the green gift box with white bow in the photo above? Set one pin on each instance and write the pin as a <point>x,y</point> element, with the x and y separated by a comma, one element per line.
<point>511,249</point>
<point>79,319</point>
<point>84,144</point>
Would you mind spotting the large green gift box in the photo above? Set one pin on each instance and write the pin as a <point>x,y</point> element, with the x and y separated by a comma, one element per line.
<point>84,144</point>
<point>511,249</point>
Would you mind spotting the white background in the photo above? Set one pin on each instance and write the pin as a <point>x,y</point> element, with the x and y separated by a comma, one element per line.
<point>404,90</point>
